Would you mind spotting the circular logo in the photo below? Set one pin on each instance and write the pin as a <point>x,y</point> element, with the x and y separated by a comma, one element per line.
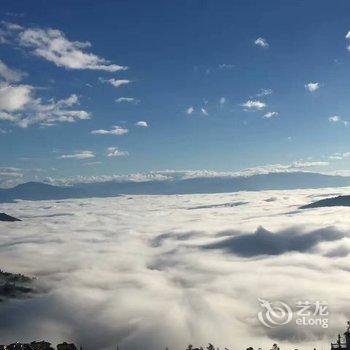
<point>274,314</point>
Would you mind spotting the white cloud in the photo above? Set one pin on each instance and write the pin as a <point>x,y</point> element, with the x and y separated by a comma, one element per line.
<point>78,155</point>
<point>7,117</point>
<point>142,124</point>
<point>10,75</point>
<point>204,111</point>
<point>127,100</point>
<point>116,82</point>
<point>264,92</point>
<point>348,37</point>
<point>254,104</point>
<point>226,66</point>
<point>312,87</point>
<point>52,45</point>
<point>26,110</point>
<point>14,97</point>
<point>222,100</point>
<point>189,110</point>
<point>261,42</point>
<point>212,294</point>
<point>115,152</point>
<point>116,130</point>
<point>337,119</point>
<point>170,175</point>
<point>339,156</point>
<point>270,115</point>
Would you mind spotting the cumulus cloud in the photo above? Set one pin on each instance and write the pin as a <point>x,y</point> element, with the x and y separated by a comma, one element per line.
<point>116,130</point>
<point>14,97</point>
<point>116,82</point>
<point>78,155</point>
<point>127,100</point>
<point>254,105</point>
<point>18,105</point>
<point>52,45</point>
<point>207,295</point>
<point>115,152</point>
<point>142,124</point>
<point>312,87</point>
<point>261,42</point>
<point>337,119</point>
<point>269,115</point>
<point>10,75</point>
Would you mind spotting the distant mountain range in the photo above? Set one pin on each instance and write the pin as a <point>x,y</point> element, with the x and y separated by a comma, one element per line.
<point>215,184</point>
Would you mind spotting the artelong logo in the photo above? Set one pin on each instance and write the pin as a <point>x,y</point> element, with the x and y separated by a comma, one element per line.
<point>279,313</point>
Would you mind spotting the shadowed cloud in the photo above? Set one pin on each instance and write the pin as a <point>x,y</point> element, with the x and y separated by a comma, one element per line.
<point>264,242</point>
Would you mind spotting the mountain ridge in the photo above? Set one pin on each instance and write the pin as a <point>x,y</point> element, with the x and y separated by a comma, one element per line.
<point>197,185</point>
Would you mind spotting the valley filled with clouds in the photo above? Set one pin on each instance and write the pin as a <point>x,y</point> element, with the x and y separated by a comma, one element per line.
<point>164,271</point>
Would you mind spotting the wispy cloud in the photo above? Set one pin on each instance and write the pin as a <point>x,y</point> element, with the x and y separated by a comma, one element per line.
<point>264,92</point>
<point>92,163</point>
<point>261,42</point>
<point>204,111</point>
<point>116,130</point>
<point>78,155</point>
<point>115,152</point>
<point>127,100</point>
<point>142,124</point>
<point>190,110</point>
<point>339,156</point>
<point>10,75</point>
<point>347,36</point>
<point>52,45</point>
<point>337,119</point>
<point>312,87</point>
<point>116,82</point>
<point>226,66</point>
<point>254,105</point>
<point>269,115</point>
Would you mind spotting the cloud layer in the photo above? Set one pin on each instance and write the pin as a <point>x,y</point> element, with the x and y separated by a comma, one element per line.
<point>132,270</point>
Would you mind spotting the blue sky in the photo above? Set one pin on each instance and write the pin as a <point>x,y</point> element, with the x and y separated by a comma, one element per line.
<point>219,86</point>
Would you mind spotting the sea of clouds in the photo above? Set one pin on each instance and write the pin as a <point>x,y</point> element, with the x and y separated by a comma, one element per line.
<point>149,272</point>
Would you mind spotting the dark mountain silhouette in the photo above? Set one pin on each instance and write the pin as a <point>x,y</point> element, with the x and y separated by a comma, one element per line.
<point>5,217</point>
<point>272,181</point>
<point>14,286</point>
<point>38,191</point>
<point>340,201</point>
